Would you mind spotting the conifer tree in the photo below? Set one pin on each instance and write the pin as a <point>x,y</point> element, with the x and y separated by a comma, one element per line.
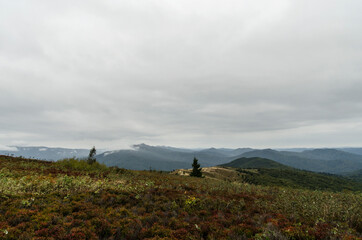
<point>196,170</point>
<point>91,157</point>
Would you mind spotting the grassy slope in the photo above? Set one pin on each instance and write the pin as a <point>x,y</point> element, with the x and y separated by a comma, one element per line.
<point>300,179</point>
<point>40,200</point>
<point>355,175</point>
<point>270,173</point>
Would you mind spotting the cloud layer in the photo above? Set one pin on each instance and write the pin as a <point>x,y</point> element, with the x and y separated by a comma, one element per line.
<point>182,73</point>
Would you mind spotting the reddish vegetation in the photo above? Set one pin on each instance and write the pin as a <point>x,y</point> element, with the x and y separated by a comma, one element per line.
<point>152,205</point>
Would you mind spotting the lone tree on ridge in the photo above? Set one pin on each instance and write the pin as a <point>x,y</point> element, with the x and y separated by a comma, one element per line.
<point>196,170</point>
<point>91,157</point>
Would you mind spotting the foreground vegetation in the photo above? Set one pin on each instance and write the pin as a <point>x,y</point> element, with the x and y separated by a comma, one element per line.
<point>71,199</point>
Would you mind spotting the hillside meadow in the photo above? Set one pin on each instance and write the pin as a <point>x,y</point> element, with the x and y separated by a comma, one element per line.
<point>71,199</point>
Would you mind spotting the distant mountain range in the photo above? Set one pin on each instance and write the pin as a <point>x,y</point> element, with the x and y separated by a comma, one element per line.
<point>46,153</point>
<point>351,150</point>
<point>317,160</point>
<point>166,158</point>
<point>145,157</point>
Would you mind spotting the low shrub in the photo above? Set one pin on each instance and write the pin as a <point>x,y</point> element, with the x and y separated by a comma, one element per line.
<point>81,165</point>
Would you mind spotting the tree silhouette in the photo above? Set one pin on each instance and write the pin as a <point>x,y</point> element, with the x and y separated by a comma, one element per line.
<point>91,157</point>
<point>196,170</point>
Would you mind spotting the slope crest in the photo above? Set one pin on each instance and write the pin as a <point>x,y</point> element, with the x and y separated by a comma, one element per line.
<point>254,162</point>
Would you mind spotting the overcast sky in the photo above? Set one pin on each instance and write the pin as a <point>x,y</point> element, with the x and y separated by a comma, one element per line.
<point>232,73</point>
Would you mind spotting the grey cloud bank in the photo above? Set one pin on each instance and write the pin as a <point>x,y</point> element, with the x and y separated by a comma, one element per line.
<point>181,73</point>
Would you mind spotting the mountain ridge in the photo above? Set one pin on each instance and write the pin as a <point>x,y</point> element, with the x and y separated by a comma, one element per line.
<point>144,157</point>
<point>46,153</point>
<point>254,162</point>
<point>305,162</point>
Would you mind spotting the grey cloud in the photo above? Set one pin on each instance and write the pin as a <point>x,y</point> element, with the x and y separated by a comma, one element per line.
<point>180,73</point>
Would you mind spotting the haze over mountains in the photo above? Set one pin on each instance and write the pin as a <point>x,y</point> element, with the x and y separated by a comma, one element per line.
<point>318,160</point>
<point>145,157</point>
<point>46,153</point>
<point>166,158</point>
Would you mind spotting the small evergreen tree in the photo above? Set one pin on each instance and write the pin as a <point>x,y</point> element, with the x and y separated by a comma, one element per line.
<point>196,170</point>
<point>91,157</point>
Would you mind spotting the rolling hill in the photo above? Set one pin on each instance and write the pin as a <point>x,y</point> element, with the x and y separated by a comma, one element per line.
<point>295,178</point>
<point>330,154</point>
<point>254,162</point>
<point>320,160</point>
<point>354,150</point>
<point>261,171</point>
<point>355,175</point>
